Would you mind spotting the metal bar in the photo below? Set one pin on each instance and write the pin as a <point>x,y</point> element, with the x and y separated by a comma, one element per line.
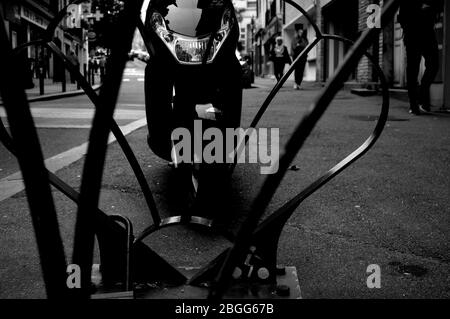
<point>84,83</point>
<point>147,42</point>
<point>354,156</point>
<point>266,236</point>
<point>50,31</point>
<point>28,44</point>
<point>95,159</point>
<point>279,84</point>
<point>270,98</point>
<point>164,270</point>
<point>307,16</point>
<point>446,66</point>
<point>31,162</point>
<point>100,218</point>
<point>55,181</point>
<point>303,130</point>
<point>129,229</point>
<point>115,129</point>
<point>181,220</point>
<point>6,139</point>
<point>121,140</point>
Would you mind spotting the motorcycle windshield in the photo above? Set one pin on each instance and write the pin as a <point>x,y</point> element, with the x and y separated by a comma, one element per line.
<point>191,17</point>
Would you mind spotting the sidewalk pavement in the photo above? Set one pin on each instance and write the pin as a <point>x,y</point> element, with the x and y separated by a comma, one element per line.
<point>270,82</point>
<point>50,87</point>
<point>53,90</point>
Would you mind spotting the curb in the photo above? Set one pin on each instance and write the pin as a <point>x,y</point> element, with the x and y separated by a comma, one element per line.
<point>364,92</point>
<point>49,97</point>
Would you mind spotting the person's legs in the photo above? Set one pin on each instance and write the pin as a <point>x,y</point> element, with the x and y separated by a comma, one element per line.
<point>297,75</point>
<point>413,57</point>
<point>299,71</point>
<point>281,72</point>
<point>278,69</point>
<point>431,56</point>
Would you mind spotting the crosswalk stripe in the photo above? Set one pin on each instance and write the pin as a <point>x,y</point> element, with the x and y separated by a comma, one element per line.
<point>12,184</point>
<point>74,113</point>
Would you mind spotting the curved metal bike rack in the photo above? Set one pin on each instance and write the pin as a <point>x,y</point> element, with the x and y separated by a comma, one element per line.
<point>125,258</point>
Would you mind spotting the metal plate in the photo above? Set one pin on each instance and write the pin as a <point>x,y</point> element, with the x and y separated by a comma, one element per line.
<point>288,281</point>
<point>238,291</point>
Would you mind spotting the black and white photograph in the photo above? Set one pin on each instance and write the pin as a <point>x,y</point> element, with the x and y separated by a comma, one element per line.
<point>224,158</point>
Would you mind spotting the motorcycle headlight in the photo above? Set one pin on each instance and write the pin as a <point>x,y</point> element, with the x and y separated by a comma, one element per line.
<point>188,50</point>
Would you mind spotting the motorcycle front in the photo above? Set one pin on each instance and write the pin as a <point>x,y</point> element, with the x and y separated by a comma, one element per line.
<point>193,88</point>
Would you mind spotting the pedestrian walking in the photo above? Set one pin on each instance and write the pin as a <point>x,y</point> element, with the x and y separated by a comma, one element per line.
<point>102,65</point>
<point>299,44</point>
<point>28,69</point>
<point>279,56</point>
<point>73,58</point>
<point>417,18</point>
<point>96,65</point>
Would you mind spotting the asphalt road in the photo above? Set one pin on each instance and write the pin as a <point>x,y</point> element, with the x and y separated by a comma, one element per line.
<point>390,209</point>
<point>64,123</point>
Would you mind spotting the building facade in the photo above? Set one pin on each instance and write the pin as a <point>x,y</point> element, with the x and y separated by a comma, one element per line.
<point>348,18</point>
<point>246,13</point>
<point>268,25</point>
<point>27,20</point>
<point>293,17</point>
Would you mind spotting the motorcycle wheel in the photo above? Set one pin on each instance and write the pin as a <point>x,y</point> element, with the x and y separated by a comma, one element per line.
<point>158,107</point>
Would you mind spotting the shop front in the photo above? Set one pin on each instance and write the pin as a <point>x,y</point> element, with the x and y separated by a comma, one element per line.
<point>39,58</point>
<point>289,34</point>
<point>273,30</point>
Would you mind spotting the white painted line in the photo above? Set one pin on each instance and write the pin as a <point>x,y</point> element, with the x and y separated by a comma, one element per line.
<point>133,72</point>
<point>62,126</point>
<point>126,80</point>
<point>66,105</point>
<point>78,113</point>
<point>129,105</point>
<point>13,184</point>
<point>141,79</point>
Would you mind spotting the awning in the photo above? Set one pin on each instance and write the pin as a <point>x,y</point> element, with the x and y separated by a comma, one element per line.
<point>300,18</point>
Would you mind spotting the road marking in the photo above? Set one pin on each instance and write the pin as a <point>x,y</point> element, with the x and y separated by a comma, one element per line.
<point>138,79</point>
<point>61,126</point>
<point>13,184</point>
<point>75,105</point>
<point>74,113</point>
<point>134,72</point>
